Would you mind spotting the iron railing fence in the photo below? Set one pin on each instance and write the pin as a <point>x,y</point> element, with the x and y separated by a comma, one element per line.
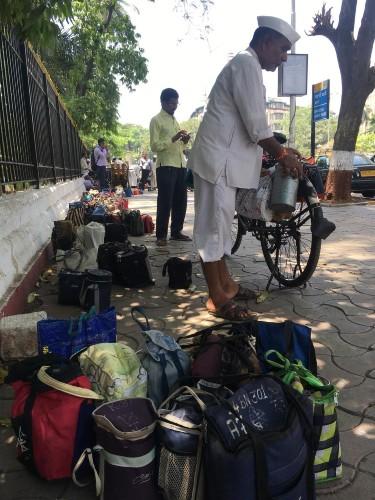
<point>39,142</point>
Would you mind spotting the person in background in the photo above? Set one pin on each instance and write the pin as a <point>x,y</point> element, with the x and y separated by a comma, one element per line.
<point>100,155</point>
<point>154,184</point>
<point>227,154</point>
<point>84,163</point>
<point>88,182</point>
<point>169,141</point>
<point>145,164</point>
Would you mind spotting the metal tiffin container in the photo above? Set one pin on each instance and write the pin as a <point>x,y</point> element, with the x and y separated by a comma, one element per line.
<point>284,192</point>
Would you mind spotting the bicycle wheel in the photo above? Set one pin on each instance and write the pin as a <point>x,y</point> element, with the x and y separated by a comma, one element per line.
<point>289,248</point>
<point>238,230</point>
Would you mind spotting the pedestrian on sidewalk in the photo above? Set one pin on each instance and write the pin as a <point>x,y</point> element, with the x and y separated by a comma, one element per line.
<point>169,141</point>
<point>100,156</point>
<point>227,154</point>
<point>154,184</point>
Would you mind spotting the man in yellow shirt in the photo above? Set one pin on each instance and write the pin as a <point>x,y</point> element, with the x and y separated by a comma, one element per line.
<point>168,141</point>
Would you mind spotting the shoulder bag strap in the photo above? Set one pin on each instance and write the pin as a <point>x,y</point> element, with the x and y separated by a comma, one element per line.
<point>79,392</point>
<point>87,453</point>
<point>144,326</point>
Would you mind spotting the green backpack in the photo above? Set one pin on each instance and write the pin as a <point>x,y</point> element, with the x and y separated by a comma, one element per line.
<point>324,396</point>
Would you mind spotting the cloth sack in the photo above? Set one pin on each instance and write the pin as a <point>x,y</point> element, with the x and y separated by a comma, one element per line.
<point>114,370</point>
<point>254,203</point>
<point>18,335</point>
<point>290,339</point>
<point>85,252</point>
<point>260,444</point>
<point>67,337</point>
<point>179,272</point>
<point>164,360</point>
<point>224,352</point>
<point>51,415</point>
<point>126,446</point>
<point>324,396</point>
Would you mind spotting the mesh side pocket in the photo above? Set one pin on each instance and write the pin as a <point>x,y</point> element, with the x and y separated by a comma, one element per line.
<point>176,475</point>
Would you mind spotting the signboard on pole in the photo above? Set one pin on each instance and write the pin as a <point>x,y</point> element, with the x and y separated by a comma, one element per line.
<point>320,101</point>
<point>292,76</point>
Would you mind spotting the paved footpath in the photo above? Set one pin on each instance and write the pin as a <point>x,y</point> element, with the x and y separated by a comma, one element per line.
<point>338,304</point>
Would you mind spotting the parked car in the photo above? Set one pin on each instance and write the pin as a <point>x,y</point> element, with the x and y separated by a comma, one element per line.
<point>363,176</point>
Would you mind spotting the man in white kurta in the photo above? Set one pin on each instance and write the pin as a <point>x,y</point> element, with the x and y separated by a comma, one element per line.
<point>227,155</point>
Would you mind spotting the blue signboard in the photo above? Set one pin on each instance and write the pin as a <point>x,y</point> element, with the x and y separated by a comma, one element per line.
<point>320,101</point>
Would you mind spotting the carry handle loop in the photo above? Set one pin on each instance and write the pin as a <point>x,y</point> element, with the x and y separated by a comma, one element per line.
<point>164,272</point>
<point>80,392</point>
<point>83,317</point>
<point>87,453</point>
<point>183,390</point>
<point>292,370</point>
<point>144,326</point>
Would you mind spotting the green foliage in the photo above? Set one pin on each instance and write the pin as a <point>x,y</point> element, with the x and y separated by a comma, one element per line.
<point>324,130</point>
<point>125,141</point>
<point>366,143</point>
<point>36,20</point>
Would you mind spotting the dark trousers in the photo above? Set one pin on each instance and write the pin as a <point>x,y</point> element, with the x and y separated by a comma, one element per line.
<point>172,198</point>
<point>101,173</point>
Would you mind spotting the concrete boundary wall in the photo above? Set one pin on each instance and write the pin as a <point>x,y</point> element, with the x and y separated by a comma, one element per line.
<point>26,222</point>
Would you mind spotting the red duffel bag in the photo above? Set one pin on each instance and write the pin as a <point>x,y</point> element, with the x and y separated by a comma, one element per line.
<point>51,415</point>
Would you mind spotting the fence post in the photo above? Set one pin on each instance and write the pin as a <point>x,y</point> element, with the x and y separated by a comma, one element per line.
<point>49,126</point>
<point>29,112</point>
<point>68,145</point>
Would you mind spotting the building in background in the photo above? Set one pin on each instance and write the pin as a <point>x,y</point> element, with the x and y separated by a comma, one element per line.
<point>277,111</point>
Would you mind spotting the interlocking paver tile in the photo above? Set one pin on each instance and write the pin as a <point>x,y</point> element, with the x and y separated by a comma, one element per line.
<point>341,378</point>
<point>358,397</point>
<point>360,365</point>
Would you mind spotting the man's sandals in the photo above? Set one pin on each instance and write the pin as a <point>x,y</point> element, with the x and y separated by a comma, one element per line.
<point>231,311</point>
<point>245,294</point>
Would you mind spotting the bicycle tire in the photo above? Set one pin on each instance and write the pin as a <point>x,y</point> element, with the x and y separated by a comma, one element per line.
<point>238,238</point>
<point>311,261</point>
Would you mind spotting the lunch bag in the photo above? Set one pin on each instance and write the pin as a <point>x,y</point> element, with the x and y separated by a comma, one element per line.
<point>51,415</point>
<point>148,224</point>
<point>164,360</point>
<point>260,445</point>
<point>114,370</point>
<point>107,255</point>
<point>290,339</point>
<point>115,232</point>
<point>133,222</point>
<point>127,451</point>
<point>224,352</point>
<point>179,272</point>
<point>181,435</point>
<point>70,285</point>
<point>133,268</point>
<point>324,396</point>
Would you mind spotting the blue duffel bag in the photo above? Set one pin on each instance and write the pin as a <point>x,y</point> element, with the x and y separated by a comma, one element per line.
<point>68,337</point>
<point>260,444</point>
<point>290,339</point>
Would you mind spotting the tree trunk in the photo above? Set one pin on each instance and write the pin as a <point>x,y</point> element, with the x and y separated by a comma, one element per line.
<point>339,180</point>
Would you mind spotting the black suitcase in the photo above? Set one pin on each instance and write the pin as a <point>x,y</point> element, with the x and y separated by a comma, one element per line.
<point>115,232</point>
<point>133,267</point>
<point>70,284</point>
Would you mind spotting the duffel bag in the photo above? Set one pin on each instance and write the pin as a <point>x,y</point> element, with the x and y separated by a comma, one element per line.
<point>164,360</point>
<point>51,415</point>
<point>126,446</point>
<point>324,396</point>
<point>260,444</point>
<point>223,352</point>
<point>114,371</point>
<point>290,339</point>
<point>133,268</point>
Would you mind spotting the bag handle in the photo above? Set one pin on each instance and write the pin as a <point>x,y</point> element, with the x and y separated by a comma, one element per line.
<point>87,453</point>
<point>166,264</point>
<point>144,326</point>
<point>183,390</point>
<point>72,390</point>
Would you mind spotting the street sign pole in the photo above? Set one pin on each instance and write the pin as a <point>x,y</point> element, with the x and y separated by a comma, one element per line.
<point>293,107</point>
<point>312,148</point>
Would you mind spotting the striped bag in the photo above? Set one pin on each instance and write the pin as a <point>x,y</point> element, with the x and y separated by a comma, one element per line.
<point>328,461</point>
<point>76,214</point>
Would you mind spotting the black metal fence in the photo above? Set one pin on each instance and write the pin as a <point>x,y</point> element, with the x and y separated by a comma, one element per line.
<point>39,143</point>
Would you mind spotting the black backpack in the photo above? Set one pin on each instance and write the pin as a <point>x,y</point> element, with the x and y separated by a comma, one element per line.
<point>179,272</point>
<point>134,223</point>
<point>133,267</point>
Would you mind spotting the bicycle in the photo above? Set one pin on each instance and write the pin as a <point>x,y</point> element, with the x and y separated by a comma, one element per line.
<point>291,247</point>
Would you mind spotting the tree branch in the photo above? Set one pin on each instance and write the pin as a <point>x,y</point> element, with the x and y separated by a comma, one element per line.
<point>366,32</point>
<point>324,25</point>
<point>347,16</point>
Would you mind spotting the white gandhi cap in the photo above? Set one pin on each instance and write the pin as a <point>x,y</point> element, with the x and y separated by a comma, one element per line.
<point>279,25</point>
